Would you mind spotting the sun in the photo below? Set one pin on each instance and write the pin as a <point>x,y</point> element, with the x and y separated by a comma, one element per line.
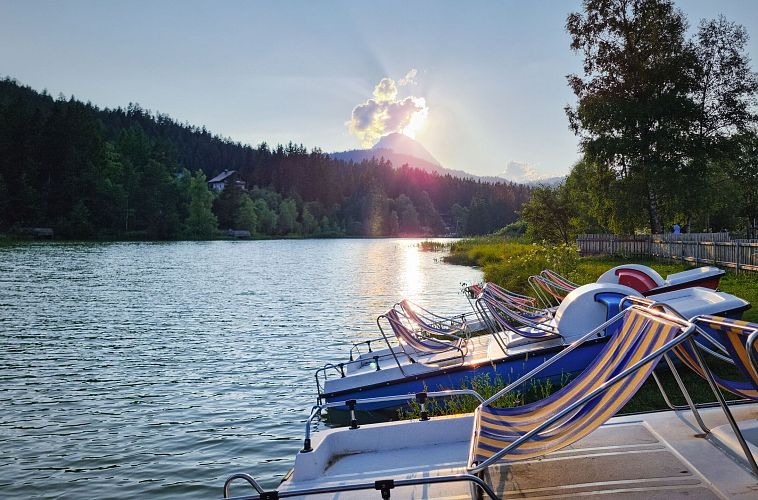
<point>418,119</point>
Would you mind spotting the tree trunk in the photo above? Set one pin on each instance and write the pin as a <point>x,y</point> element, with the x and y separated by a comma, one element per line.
<point>655,216</point>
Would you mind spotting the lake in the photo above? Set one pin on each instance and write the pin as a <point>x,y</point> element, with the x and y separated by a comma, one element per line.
<point>158,369</point>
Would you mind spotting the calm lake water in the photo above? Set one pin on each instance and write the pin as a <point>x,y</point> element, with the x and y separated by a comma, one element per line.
<point>150,369</point>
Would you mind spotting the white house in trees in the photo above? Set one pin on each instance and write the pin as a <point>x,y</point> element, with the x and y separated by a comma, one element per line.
<point>218,182</point>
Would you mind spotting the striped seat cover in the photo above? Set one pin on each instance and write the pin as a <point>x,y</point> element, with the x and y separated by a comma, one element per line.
<point>641,334</point>
<point>407,337</point>
<point>732,335</point>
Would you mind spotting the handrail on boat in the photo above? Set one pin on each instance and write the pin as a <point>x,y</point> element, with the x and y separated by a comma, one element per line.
<point>341,367</point>
<point>383,486</point>
<point>419,397</point>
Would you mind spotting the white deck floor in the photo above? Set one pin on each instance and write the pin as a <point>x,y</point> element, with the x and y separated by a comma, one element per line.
<point>653,455</point>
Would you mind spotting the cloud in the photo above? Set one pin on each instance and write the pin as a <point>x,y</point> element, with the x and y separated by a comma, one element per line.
<point>385,90</point>
<point>521,172</point>
<point>385,113</point>
<point>409,78</point>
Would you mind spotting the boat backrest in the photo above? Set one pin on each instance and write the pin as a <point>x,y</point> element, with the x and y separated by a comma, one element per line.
<point>584,404</point>
<point>512,316</point>
<point>737,339</point>
<point>406,336</point>
<point>426,322</point>
<point>740,340</point>
<point>559,280</point>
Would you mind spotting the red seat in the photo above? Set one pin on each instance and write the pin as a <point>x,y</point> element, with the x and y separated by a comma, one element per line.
<point>636,279</point>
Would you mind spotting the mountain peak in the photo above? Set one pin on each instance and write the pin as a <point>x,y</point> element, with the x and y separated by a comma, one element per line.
<point>402,144</point>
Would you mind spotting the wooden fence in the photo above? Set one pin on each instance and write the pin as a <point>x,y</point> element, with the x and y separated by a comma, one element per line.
<point>696,248</point>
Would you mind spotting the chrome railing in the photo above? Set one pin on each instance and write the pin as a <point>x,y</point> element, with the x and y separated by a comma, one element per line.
<point>352,404</point>
<point>384,487</point>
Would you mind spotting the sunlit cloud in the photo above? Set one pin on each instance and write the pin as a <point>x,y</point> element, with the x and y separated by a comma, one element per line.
<point>386,113</point>
<point>517,171</point>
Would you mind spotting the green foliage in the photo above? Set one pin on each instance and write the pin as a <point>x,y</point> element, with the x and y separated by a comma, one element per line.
<point>460,219</point>
<point>486,386</point>
<point>518,261</point>
<point>247,217</point>
<point>228,204</point>
<point>513,230</point>
<point>310,224</point>
<point>201,224</point>
<point>550,215</point>
<point>4,202</point>
<point>409,222</point>
<point>266,217</point>
<point>287,221</point>
<point>78,224</point>
<point>433,246</point>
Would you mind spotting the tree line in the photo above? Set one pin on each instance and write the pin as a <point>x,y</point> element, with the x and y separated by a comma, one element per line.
<point>667,126</point>
<point>130,173</point>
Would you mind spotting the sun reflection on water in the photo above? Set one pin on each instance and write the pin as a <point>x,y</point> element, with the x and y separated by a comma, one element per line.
<point>412,277</point>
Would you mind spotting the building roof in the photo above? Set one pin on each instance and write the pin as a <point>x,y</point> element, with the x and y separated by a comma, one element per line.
<point>222,176</point>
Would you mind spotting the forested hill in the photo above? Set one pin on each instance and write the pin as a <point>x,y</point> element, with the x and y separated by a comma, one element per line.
<point>111,173</point>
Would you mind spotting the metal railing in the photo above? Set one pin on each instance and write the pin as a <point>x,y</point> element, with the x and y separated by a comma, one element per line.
<point>341,368</point>
<point>352,404</point>
<point>384,486</point>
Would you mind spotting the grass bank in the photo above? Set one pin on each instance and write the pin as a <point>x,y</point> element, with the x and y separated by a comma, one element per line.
<point>510,262</point>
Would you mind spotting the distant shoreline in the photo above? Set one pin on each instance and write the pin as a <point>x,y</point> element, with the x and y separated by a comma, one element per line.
<point>7,239</point>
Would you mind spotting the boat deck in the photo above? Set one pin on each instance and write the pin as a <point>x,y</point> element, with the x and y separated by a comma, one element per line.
<point>652,455</point>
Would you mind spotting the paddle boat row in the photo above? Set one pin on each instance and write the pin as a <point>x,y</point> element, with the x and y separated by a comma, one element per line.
<point>520,338</point>
<point>551,288</point>
<point>570,443</point>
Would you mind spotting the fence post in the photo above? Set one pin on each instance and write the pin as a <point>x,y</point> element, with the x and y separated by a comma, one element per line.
<point>697,252</point>
<point>737,257</point>
<point>715,260</point>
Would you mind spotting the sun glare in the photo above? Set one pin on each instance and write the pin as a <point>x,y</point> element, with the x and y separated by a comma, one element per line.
<point>417,119</point>
<point>411,275</point>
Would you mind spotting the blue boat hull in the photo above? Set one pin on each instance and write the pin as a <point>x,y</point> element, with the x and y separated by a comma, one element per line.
<point>505,369</point>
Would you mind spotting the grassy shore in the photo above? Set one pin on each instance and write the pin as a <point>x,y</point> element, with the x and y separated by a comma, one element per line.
<point>509,263</point>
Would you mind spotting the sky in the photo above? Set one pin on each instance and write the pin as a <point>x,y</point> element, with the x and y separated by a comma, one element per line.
<point>481,84</point>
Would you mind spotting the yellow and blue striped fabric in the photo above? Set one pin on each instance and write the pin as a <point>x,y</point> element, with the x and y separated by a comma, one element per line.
<point>641,334</point>
<point>732,335</point>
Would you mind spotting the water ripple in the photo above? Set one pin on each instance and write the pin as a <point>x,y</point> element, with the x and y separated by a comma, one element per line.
<point>136,369</point>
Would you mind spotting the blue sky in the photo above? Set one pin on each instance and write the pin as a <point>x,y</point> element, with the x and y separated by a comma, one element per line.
<point>491,74</point>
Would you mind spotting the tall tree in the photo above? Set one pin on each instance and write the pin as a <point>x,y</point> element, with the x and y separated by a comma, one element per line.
<point>550,215</point>
<point>287,222</point>
<point>633,109</point>
<point>201,223</point>
<point>247,218</point>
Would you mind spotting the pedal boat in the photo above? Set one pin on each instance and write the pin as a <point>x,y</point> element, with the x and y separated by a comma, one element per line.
<point>404,368</point>
<point>569,444</point>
